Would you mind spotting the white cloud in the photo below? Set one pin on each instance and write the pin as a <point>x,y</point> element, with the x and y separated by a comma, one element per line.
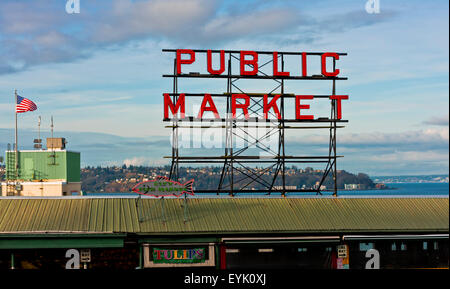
<point>427,136</point>
<point>411,156</point>
<point>145,161</point>
<point>255,22</point>
<point>129,19</point>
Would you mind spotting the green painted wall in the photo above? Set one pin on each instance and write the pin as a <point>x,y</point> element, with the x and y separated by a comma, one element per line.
<point>73,166</point>
<point>37,165</point>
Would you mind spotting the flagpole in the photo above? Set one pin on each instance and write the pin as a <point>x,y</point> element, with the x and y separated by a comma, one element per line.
<point>16,152</point>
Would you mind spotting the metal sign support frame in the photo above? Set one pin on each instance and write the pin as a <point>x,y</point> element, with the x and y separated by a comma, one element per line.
<point>236,176</point>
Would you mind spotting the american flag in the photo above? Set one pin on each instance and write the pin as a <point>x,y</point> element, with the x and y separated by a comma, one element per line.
<point>24,105</point>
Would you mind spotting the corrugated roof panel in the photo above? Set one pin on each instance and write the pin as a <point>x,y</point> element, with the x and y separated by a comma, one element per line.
<point>18,223</point>
<point>127,218</point>
<point>150,212</point>
<point>96,215</point>
<point>51,224</point>
<point>39,208</point>
<point>225,215</point>
<point>3,209</point>
<point>284,218</point>
<point>10,220</point>
<point>8,206</point>
<point>116,213</point>
<point>110,215</point>
<point>44,222</point>
<point>26,217</point>
<point>259,214</point>
<point>69,216</point>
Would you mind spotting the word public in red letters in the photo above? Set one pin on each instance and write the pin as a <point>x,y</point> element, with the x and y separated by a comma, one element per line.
<point>249,67</point>
<point>249,63</point>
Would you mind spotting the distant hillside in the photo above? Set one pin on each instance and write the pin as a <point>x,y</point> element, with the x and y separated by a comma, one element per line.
<point>122,179</point>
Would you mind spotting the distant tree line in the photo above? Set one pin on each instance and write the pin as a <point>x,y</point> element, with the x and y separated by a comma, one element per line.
<point>122,179</point>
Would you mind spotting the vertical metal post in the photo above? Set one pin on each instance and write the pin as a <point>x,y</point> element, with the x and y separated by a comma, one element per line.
<point>17,145</point>
<point>12,262</point>
<point>139,210</point>
<point>230,125</point>
<point>141,256</point>
<point>335,156</point>
<point>162,209</point>
<point>185,208</point>
<point>53,146</point>
<point>174,166</point>
<point>39,130</point>
<point>334,134</point>
<point>282,130</point>
<point>228,133</point>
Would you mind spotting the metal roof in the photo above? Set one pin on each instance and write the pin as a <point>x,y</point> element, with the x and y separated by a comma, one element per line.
<point>223,215</point>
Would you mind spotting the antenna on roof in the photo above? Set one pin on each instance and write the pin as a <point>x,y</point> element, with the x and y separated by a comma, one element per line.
<point>51,126</point>
<point>53,155</point>
<point>38,142</point>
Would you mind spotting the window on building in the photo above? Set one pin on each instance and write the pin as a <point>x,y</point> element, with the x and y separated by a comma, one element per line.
<point>394,247</point>
<point>403,247</point>
<point>365,246</point>
<point>425,246</point>
<point>265,250</point>
<point>302,249</point>
<point>435,246</point>
<point>328,249</point>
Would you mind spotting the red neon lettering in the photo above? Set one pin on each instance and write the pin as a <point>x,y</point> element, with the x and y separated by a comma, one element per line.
<point>212,107</point>
<point>244,106</point>
<point>271,104</point>
<point>158,255</point>
<point>222,63</point>
<point>304,63</point>
<point>298,106</point>
<point>339,108</point>
<point>184,61</point>
<point>253,62</point>
<point>199,254</point>
<point>174,108</point>
<point>324,64</point>
<point>275,66</point>
<point>166,255</point>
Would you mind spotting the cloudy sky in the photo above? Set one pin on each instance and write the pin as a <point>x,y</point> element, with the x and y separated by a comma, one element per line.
<point>99,72</point>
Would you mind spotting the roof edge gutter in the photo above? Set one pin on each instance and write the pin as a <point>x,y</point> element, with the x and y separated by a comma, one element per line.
<point>395,237</point>
<point>280,239</point>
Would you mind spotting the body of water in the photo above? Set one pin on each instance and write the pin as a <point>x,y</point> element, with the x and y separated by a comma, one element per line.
<point>397,189</point>
<point>414,189</point>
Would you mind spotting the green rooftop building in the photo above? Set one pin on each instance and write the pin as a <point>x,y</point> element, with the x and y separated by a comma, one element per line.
<point>51,172</point>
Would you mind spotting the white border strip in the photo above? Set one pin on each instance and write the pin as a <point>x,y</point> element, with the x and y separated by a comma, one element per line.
<point>392,237</point>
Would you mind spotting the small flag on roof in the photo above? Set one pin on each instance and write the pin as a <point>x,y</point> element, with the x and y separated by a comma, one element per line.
<point>24,105</point>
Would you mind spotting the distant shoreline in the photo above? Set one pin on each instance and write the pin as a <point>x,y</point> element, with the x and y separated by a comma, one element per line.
<point>413,183</point>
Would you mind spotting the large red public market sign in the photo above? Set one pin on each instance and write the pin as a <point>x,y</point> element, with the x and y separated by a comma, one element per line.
<point>249,67</point>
